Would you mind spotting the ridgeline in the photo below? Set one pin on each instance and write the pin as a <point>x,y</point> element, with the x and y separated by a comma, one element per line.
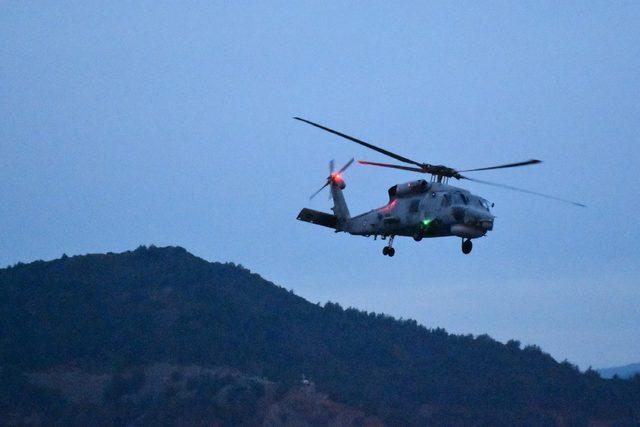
<point>159,334</point>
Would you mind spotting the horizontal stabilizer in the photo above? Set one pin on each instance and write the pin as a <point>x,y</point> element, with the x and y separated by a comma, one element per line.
<point>317,217</point>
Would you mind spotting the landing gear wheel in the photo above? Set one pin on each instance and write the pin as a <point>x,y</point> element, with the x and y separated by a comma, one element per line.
<point>417,237</point>
<point>467,246</point>
<point>388,250</point>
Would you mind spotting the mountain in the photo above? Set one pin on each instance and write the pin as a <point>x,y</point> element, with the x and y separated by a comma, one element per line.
<point>159,334</point>
<point>626,371</point>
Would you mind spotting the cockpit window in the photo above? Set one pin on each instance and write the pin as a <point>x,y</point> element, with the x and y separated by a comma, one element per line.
<point>446,201</point>
<point>464,198</point>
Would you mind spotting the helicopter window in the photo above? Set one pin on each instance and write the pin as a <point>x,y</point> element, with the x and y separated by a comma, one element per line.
<point>463,198</point>
<point>413,207</point>
<point>446,201</point>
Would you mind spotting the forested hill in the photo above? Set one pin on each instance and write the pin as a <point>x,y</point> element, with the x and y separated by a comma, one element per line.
<point>109,313</point>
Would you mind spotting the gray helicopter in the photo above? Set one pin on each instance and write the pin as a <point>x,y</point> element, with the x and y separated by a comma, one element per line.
<point>418,209</point>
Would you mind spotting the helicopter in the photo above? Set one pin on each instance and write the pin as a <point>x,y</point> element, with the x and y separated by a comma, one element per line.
<point>419,208</point>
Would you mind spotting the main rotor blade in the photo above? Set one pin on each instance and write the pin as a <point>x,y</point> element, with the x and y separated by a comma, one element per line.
<point>508,187</point>
<point>344,168</point>
<point>508,165</point>
<point>361,142</point>
<point>331,166</point>
<point>321,188</point>
<point>387,165</point>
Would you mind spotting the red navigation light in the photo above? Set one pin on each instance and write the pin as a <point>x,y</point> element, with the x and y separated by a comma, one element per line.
<point>390,206</point>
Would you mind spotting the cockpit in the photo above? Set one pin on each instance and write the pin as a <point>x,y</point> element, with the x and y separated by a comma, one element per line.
<point>465,199</point>
<point>483,203</point>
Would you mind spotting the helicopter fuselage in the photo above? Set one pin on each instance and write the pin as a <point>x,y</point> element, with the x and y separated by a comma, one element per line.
<point>418,209</point>
<point>422,209</point>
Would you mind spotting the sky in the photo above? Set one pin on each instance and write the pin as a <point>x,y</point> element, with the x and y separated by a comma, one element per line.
<point>170,123</point>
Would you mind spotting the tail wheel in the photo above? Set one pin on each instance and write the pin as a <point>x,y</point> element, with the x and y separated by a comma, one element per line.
<point>467,246</point>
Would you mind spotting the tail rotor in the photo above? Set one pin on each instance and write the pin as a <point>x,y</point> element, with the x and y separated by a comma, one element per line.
<point>334,178</point>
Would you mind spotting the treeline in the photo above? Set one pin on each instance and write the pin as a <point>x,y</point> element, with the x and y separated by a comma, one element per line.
<point>109,311</point>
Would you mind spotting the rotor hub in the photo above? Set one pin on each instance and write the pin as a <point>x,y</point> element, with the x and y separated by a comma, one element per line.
<point>441,171</point>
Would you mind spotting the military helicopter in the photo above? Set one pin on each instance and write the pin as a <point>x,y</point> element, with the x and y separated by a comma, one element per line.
<point>418,209</point>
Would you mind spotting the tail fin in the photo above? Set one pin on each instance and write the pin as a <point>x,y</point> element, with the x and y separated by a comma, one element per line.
<point>339,208</point>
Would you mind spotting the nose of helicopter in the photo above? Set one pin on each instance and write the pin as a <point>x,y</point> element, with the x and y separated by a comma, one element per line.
<point>480,219</point>
<point>487,223</point>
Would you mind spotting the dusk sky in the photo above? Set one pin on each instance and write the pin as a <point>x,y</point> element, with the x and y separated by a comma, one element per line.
<point>170,123</point>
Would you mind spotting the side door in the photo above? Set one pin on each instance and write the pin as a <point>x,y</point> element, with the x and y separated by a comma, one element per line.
<point>444,205</point>
<point>430,205</point>
<point>414,211</point>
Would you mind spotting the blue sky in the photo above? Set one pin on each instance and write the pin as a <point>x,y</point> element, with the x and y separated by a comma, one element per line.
<point>170,123</point>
